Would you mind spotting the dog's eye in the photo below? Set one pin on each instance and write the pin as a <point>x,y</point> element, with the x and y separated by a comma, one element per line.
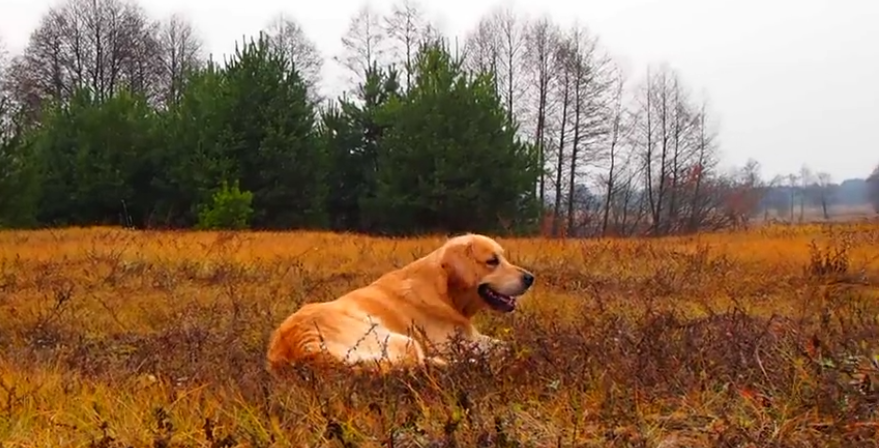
<point>493,261</point>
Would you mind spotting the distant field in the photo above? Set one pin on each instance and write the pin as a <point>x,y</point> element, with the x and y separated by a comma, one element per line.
<point>840,213</point>
<point>112,338</point>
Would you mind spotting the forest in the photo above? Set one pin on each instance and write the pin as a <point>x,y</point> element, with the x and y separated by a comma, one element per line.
<point>112,117</point>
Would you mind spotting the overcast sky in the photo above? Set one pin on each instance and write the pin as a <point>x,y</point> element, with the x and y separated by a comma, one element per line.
<point>790,81</point>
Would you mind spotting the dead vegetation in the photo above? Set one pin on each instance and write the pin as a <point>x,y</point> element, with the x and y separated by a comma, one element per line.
<point>112,338</point>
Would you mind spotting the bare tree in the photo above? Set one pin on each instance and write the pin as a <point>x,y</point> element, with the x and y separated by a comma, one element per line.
<point>675,149</point>
<point>5,101</point>
<point>4,69</point>
<point>136,53</point>
<point>627,203</point>
<point>619,130</point>
<point>364,44</point>
<point>705,161</point>
<point>180,51</point>
<point>100,45</point>
<point>286,35</point>
<point>512,48</point>
<point>677,146</point>
<point>542,39</point>
<point>776,200</point>
<point>645,135</point>
<point>664,91</point>
<point>564,86</point>
<point>482,49</point>
<point>825,185</point>
<point>806,180</point>
<point>407,28</point>
<point>4,56</point>
<point>45,70</point>
<point>873,188</point>
<point>684,148</point>
<point>499,45</point>
<point>792,185</point>
<point>741,195</point>
<point>591,72</point>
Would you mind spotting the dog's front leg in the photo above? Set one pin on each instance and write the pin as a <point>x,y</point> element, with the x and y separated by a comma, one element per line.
<point>487,344</point>
<point>436,361</point>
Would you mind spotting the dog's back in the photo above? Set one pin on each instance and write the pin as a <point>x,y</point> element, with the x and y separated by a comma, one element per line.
<point>292,343</point>
<point>340,332</point>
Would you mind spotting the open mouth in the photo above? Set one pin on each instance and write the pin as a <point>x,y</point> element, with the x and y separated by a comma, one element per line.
<point>496,300</point>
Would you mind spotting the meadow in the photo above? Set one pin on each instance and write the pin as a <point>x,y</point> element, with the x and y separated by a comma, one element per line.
<point>767,337</point>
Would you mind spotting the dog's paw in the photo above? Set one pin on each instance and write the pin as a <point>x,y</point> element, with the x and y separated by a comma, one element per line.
<point>489,345</point>
<point>489,349</point>
<point>436,361</point>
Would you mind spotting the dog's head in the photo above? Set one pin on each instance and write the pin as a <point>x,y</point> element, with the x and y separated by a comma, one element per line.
<point>476,264</point>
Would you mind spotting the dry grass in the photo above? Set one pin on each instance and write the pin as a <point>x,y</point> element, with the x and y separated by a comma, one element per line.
<point>110,338</point>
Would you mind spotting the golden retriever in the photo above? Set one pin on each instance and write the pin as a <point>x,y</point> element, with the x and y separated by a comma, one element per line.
<point>407,316</point>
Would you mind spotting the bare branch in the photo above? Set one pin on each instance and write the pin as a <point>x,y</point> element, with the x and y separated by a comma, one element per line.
<point>542,37</point>
<point>286,34</point>
<point>407,28</point>
<point>365,44</point>
<point>180,51</point>
<point>100,45</point>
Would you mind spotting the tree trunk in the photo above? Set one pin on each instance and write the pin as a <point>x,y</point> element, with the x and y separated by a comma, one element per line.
<point>561,160</point>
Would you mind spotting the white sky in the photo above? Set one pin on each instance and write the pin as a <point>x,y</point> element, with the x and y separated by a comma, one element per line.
<point>790,81</point>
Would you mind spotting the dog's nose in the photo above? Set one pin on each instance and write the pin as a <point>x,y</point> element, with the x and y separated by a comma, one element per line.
<point>527,279</point>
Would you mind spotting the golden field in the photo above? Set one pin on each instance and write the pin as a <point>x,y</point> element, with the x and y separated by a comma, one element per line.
<point>770,337</point>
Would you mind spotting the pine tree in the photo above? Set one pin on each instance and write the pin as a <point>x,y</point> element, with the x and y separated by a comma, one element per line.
<point>451,162</point>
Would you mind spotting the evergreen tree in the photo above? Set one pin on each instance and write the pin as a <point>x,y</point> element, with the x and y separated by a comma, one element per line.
<point>19,176</point>
<point>195,162</point>
<point>95,160</point>
<point>451,162</point>
<point>271,135</point>
<point>441,156</point>
<point>352,134</point>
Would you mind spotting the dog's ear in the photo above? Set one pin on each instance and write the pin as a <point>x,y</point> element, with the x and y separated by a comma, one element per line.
<point>458,262</point>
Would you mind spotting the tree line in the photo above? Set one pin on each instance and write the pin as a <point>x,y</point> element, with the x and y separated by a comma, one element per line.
<point>112,117</point>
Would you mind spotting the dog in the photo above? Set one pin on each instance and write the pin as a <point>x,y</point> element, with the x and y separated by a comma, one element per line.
<point>407,317</point>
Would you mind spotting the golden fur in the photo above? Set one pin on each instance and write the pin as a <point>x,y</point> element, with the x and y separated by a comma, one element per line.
<point>400,319</point>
